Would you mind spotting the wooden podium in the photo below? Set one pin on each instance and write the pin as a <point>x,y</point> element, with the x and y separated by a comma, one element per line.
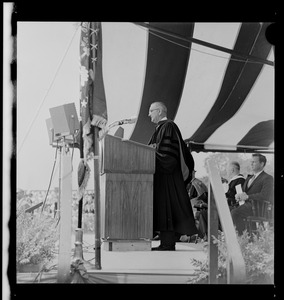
<point>127,170</point>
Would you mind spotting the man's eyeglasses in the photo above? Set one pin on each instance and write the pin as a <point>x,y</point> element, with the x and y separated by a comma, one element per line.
<point>151,110</point>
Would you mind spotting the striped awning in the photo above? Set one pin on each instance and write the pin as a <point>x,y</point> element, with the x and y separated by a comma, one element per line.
<point>217,81</point>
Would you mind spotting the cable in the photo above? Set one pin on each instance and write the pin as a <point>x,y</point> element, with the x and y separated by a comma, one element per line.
<point>219,56</point>
<point>73,140</point>
<point>73,143</point>
<point>51,84</point>
<point>57,222</point>
<point>50,179</point>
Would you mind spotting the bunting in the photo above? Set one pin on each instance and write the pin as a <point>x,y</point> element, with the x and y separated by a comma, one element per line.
<point>93,109</point>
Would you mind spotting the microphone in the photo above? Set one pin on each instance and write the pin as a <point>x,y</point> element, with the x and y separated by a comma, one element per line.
<point>130,120</point>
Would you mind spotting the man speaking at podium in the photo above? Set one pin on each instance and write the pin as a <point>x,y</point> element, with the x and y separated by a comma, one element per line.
<point>172,211</point>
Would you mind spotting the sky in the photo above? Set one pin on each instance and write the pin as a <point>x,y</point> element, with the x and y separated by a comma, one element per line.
<point>48,76</point>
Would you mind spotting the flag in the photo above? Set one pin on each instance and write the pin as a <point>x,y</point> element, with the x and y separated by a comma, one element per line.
<point>93,110</point>
<point>83,177</point>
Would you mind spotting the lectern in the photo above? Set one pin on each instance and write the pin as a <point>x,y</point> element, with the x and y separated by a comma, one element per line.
<point>127,169</point>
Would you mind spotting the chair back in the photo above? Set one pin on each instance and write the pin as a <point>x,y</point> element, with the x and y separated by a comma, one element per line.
<point>261,209</point>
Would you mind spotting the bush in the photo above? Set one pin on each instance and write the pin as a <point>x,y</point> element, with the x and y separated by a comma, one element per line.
<point>258,254</point>
<point>36,238</point>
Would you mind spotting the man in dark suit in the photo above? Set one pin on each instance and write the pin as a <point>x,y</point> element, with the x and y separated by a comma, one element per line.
<point>258,186</point>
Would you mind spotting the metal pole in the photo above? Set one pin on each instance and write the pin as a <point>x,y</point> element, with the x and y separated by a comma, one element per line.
<point>97,200</point>
<point>78,254</point>
<point>59,182</point>
<point>80,208</point>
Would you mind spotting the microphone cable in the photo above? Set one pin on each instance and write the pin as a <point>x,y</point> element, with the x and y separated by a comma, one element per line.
<point>51,177</point>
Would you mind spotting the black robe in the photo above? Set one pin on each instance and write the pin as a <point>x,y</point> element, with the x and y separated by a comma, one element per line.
<point>230,194</point>
<point>172,210</point>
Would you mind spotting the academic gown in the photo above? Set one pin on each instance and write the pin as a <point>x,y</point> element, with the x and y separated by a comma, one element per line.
<point>172,210</point>
<point>230,194</point>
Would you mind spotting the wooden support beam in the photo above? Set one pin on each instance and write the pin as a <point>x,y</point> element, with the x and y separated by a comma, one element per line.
<point>236,271</point>
<point>212,231</point>
<point>64,257</point>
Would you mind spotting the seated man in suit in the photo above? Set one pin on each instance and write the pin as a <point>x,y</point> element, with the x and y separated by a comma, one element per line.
<point>258,186</point>
<point>236,178</point>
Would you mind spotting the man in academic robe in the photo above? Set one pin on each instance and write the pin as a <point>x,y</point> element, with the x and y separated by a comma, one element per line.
<point>196,189</point>
<point>236,178</point>
<point>258,186</point>
<point>198,195</point>
<point>172,211</point>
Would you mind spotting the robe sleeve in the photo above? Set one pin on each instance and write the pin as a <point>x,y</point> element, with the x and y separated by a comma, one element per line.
<point>167,151</point>
<point>230,194</point>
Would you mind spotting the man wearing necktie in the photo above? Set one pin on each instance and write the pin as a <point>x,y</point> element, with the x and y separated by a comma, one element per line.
<point>258,186</point>
<point>172,211</point>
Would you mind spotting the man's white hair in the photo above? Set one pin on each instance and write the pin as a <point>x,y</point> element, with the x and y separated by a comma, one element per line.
<point>161,105</point>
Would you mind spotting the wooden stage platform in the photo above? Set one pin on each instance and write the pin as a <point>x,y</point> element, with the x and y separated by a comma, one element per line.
<point>132,267</point>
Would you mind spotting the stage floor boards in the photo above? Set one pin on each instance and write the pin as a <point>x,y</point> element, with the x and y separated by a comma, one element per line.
<point>149,267</point>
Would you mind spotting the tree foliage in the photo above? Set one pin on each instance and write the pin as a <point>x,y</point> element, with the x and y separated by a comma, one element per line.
<point>258,254</point>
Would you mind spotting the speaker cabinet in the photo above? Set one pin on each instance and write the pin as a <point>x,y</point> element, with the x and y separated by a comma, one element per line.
<point>50,131</point>
<point>64,120</point>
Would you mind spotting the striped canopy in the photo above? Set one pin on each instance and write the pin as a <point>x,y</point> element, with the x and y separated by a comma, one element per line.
<point>217,82</point>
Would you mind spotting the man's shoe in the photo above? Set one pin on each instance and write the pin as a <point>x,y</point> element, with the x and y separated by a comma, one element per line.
<point>184,238</point>
<point>190,239</point>
<point>164,248</point>
<point>156,238</point>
